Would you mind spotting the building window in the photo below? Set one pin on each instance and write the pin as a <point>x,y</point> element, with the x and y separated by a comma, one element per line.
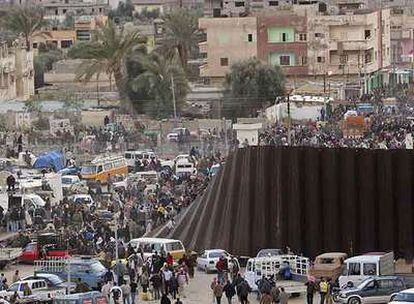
<point>35,45</point>
<point>284,37</point>
<point>56,12</point>
<point>367,34</point>
<point>64,44</point>
<point>303,37</point>
<point>224,61</point>
<point>100,9</point>
<point>319,35</point>
<point>66,1</point>
<point>320,59</point>
<point>368,57</point>
<point>93,10</point>
<point>250,37</point>
<point>284,60</point>
<point>343,59</point>
<point>239,3</point>
<point>273,3</point>
<point>64,11</point>
<point>304,60</point>
<point>216,12</point>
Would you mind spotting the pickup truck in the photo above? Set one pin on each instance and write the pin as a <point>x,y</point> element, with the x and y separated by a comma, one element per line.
<point>38,288</point>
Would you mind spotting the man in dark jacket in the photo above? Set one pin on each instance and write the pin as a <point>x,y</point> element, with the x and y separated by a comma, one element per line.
<point>243,290</point>
<point>310,290</point>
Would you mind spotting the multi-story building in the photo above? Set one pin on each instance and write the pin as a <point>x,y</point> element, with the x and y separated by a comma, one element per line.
<point>163,6</point>
<point>351,44</point>
<point>58,10</point>
<point>61,39</point>
<point>229,40</point>
<point>282,38</point>
<point>402,36</point>
<point>16,72</point>
<point>85,25</point>
<point>240,8</point>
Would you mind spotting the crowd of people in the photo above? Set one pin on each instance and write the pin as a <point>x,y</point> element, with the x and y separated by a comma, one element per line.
<point>383,128</point>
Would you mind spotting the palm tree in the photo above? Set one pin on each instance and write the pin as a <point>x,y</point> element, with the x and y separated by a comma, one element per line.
<point>107,53</point>
<point>181,33</point>
<point>25,20</point>
<point>156,82</point>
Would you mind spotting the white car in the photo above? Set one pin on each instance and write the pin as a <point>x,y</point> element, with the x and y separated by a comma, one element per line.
<point>403,297</point>
<point>82,199</point>
<point>38,287</point>
<point>69,180</point>
<point>208,259</point>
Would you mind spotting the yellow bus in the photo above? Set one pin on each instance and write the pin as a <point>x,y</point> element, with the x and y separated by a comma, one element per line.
<point>101,168</point>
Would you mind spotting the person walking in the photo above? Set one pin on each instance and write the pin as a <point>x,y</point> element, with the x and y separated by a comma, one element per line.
<point>266,299</point>
<point>229,291</point>
<point>134,286</point>
<point>165,299</point>
<point>243,290</point>
<point>182,279</point>
<point>283,296</point>
<point>310,291</point>
<point>126,292</point>
<point>217,288</point>
<point>323,290</point>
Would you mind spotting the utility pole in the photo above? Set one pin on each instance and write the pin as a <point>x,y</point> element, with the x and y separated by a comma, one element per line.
<point>174,101</point>
<point>289,120</point>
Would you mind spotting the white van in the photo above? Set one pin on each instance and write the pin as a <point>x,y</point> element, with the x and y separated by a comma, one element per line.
<point>358,268</point>
<point>132,156</point>
<point>185,168</point>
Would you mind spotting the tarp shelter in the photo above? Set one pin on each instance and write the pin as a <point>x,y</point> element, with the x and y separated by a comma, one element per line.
<point>54,160</point>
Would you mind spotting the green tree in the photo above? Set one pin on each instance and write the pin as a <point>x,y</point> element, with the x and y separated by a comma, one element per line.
<point>181,34</point>
<point>25,20</point>
<point>250,84</point>
<point>43,62</point>
<point>108,53</point>
<point>156,82</point>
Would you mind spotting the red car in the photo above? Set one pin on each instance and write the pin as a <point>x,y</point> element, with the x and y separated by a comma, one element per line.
<point>46,246</point>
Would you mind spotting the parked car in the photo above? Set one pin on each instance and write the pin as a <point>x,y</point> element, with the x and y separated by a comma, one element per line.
<point>373,290</point>
<point>82,199</point>
<point>179,134</point>
<point>38,287</point>
<point>403,297</point>
<point>208,259</point>
<point>69,180</point>
<point>48,245</point>
<point>328,265</point>
<point>89,270</point>
<point>52,281</point>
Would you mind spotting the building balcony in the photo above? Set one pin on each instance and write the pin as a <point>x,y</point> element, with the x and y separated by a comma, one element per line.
<point>202,46</point>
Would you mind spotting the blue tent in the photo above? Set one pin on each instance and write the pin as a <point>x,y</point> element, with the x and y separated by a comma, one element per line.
<point>54,160</point>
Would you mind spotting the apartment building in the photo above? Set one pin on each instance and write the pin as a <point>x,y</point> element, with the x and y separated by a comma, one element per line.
<point>283,38</point>
<point>349,44</point>
<point>240,8</point>
<point>57,10</point>
<point>163,6</point>
<point>402,36</point>
<point>16,72</point>
<point>229,40</point>
<point>61,39</point>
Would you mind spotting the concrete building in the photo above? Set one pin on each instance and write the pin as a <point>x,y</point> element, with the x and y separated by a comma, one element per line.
<point>240,8</point>
<point>229,40</point>
<point>85,25</point>
<point>62,39</point>
<point>402,36</point>
<point>16,72</point>
<point>282,38</point>
<point>58,10</point>
<point>163,6</point>
<point>352,44</point>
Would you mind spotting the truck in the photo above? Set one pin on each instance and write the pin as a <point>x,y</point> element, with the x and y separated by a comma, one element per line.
<point>272,266</point>
<point>328,265</point>
<point>87,269</point>
<point>39,288</point>
<point>358,268</point>
<point>47,245</point>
